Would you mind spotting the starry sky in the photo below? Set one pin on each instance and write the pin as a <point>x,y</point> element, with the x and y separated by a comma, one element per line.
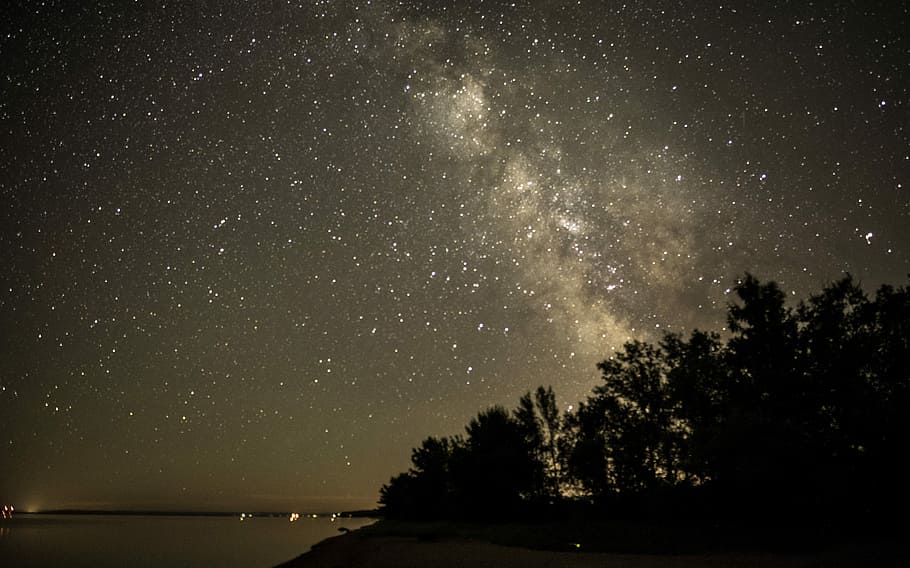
<point>254,252</point>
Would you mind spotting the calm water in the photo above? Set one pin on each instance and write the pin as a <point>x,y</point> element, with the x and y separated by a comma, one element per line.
<point>164,542</point>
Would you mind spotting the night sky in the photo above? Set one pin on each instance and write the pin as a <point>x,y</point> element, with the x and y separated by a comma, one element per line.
<point>253,253</point>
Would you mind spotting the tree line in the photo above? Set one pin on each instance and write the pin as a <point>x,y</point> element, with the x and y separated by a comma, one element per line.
<point>796,413</point>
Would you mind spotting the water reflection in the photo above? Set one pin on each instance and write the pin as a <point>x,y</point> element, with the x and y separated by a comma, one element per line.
<point>102,541</point>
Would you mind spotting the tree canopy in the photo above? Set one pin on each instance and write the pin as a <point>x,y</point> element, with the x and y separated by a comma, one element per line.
<point>797,410</point>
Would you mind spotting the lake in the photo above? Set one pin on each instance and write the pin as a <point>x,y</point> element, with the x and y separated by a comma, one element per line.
<point>100,541</point>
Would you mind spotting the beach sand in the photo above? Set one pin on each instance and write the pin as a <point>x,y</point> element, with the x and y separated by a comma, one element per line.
<point>376,551</point>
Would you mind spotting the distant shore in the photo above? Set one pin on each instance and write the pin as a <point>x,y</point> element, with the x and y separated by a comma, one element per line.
<point>177,513</point>
<point>379,547</point>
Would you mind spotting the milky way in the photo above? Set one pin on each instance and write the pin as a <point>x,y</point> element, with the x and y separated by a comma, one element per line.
<point>255,253</point>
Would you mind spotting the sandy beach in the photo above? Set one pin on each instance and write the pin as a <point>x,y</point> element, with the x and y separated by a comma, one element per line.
<point>372,551</point>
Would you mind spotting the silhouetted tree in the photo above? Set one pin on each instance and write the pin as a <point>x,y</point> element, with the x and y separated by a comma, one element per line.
<point>424,491</point>
<point>835,343</point>
<point>585,449</point>
<point>884,449</point>
<point>398,498</point>
<point>762,436</point>
<point>551,429</point>
<point>798,413</point>
<point>627,438</point>
<point>540,424</point>
<point>697,379</point>
<point>497,470</point>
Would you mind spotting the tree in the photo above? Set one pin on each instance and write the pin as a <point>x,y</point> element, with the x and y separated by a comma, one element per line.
<point>884,450</point>
<point>551,428</point>
<point>425,490</point>
<point>627,438</point>
<point>398,498</point>
<point>697,380</point>
<point>497,470</point>
<point>762,439</point>
<point>802,411</point>
<point>836,346</point>
<point>762,348</point>
<point>540,424</point>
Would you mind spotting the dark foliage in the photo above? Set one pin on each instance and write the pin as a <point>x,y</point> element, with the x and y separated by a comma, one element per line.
<point>800,414</point>
<point>499,467</point>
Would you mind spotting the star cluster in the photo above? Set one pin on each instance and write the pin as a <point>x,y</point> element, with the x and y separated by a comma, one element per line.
<point>253,253</point>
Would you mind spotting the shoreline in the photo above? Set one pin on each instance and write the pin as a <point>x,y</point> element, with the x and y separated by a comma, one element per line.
<point>383,549</point>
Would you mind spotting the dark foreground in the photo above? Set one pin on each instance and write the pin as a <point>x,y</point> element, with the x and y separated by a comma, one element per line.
<point>443,545</point>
